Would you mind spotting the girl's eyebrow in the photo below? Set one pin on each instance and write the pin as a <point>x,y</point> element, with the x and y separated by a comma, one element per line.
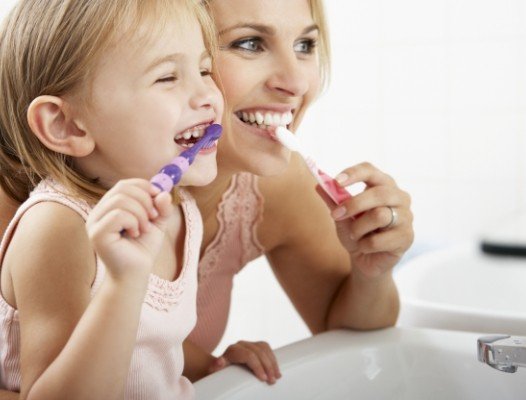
<point>264,28</point>
<point>173,58</point>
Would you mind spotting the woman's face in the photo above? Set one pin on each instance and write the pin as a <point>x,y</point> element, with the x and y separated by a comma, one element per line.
<point>269,68</point>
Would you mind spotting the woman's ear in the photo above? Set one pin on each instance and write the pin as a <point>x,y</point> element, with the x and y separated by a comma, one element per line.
<point>52,124</point>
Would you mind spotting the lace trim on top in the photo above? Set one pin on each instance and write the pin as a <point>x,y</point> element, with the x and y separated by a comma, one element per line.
<point>242,205</point>
<point>163,294</point>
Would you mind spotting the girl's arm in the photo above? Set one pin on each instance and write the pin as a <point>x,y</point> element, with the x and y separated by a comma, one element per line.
<point>337,274</point>
<point>71,346</point>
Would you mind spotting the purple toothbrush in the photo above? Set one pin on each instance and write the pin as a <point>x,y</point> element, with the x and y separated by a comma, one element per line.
<point>171,174</point>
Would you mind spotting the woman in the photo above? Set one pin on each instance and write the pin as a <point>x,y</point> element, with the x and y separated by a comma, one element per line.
<point>335,269</point>
<point>272,61</point>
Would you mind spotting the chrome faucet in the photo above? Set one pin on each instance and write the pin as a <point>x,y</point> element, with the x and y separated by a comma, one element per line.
<point>503,352</point>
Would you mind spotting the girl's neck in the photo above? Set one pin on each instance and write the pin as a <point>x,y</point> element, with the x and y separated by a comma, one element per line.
<point>208,197</point>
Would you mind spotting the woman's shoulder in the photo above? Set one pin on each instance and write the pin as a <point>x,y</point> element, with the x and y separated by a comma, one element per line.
<point>290,199</point>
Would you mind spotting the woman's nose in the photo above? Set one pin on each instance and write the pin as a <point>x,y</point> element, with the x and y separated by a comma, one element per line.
<point>288,76</point>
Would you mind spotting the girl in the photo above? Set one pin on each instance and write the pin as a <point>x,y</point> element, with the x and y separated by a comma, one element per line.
<point>99,269</point>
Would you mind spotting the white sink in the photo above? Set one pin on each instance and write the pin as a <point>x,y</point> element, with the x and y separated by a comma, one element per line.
<point>397,363</point>
<point>462,288</point>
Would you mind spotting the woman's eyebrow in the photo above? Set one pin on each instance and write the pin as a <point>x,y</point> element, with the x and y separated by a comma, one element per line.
<point>257,27</point>
<point>267,30</point>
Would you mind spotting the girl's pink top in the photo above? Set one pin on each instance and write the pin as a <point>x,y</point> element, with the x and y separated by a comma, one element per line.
<point>236,243</point>
<point>168,312</point>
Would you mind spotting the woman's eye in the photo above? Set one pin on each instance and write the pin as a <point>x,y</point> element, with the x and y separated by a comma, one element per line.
<point>306,46</point>
<point>250,44</point>
<point>206,72</point>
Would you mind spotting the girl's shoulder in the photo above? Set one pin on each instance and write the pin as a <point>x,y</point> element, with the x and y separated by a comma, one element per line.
<point>48,244</point>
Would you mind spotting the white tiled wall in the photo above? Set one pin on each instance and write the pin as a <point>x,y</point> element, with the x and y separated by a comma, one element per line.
<point>434,93</point>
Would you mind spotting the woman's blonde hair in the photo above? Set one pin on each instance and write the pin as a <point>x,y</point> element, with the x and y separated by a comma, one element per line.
<point>324,46</point>
<point>50,47</point>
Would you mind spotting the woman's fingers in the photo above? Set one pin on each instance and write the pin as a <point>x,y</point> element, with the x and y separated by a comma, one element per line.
<point>364,172</point>
<point>258,357</point>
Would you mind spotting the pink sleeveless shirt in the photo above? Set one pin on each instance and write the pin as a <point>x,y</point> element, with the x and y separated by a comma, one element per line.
<point>167,317</point>
<point>236,243</point>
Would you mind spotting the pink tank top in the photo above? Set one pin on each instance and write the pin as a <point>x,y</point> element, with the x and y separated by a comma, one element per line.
<point>236,243</point>
<point>167,317</point>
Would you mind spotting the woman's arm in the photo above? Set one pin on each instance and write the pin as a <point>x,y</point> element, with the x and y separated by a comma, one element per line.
<point>325,267</point>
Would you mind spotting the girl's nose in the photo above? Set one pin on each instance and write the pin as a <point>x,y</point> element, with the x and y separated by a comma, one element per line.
<point>288,76</point>
<point>205,95</point>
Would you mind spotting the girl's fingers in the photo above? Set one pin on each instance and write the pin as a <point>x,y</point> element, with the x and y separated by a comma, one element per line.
<point>115,221</point>
<point>135,196</point>
<point>141,190</point>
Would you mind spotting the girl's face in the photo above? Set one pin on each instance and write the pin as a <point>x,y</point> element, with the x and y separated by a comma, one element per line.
<point>149,100</point>
<point>268,66</point>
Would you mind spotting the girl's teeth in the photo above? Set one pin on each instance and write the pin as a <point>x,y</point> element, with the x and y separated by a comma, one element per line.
<point>259,118</point>
<point>251,118</point>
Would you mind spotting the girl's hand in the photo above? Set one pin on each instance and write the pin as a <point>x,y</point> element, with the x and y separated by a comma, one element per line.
<point>127,227</point>
<point>375,226</point>
<point>257,356</point>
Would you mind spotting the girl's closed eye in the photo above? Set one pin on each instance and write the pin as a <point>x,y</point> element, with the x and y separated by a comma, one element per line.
<point>167,79</point>
<point>206,72</point>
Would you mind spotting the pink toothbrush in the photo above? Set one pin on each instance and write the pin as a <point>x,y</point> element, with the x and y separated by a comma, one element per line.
<point>328,184</point>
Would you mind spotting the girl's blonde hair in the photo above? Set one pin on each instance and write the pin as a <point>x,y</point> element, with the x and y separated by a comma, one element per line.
<point>50,47</point>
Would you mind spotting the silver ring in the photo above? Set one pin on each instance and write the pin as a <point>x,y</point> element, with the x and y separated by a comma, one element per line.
<point>394,218</point>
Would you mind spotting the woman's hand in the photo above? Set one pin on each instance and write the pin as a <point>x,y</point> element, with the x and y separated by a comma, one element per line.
<point>257,356</point>
<point>127,226</point>
<point>375,226</point>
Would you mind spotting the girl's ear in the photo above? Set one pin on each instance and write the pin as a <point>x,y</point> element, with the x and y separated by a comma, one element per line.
<point>51,123</point>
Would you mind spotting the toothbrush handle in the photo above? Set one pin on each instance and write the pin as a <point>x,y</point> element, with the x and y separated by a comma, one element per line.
<point>327,183</point>
<point>171,174</point>
<point>333,188</point>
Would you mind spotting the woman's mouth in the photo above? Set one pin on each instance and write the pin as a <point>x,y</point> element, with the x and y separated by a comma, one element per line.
<point>264,119</point>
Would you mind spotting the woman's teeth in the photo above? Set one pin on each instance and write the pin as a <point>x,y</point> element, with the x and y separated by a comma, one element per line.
<point>265,120</point>
<point>190,136</point>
